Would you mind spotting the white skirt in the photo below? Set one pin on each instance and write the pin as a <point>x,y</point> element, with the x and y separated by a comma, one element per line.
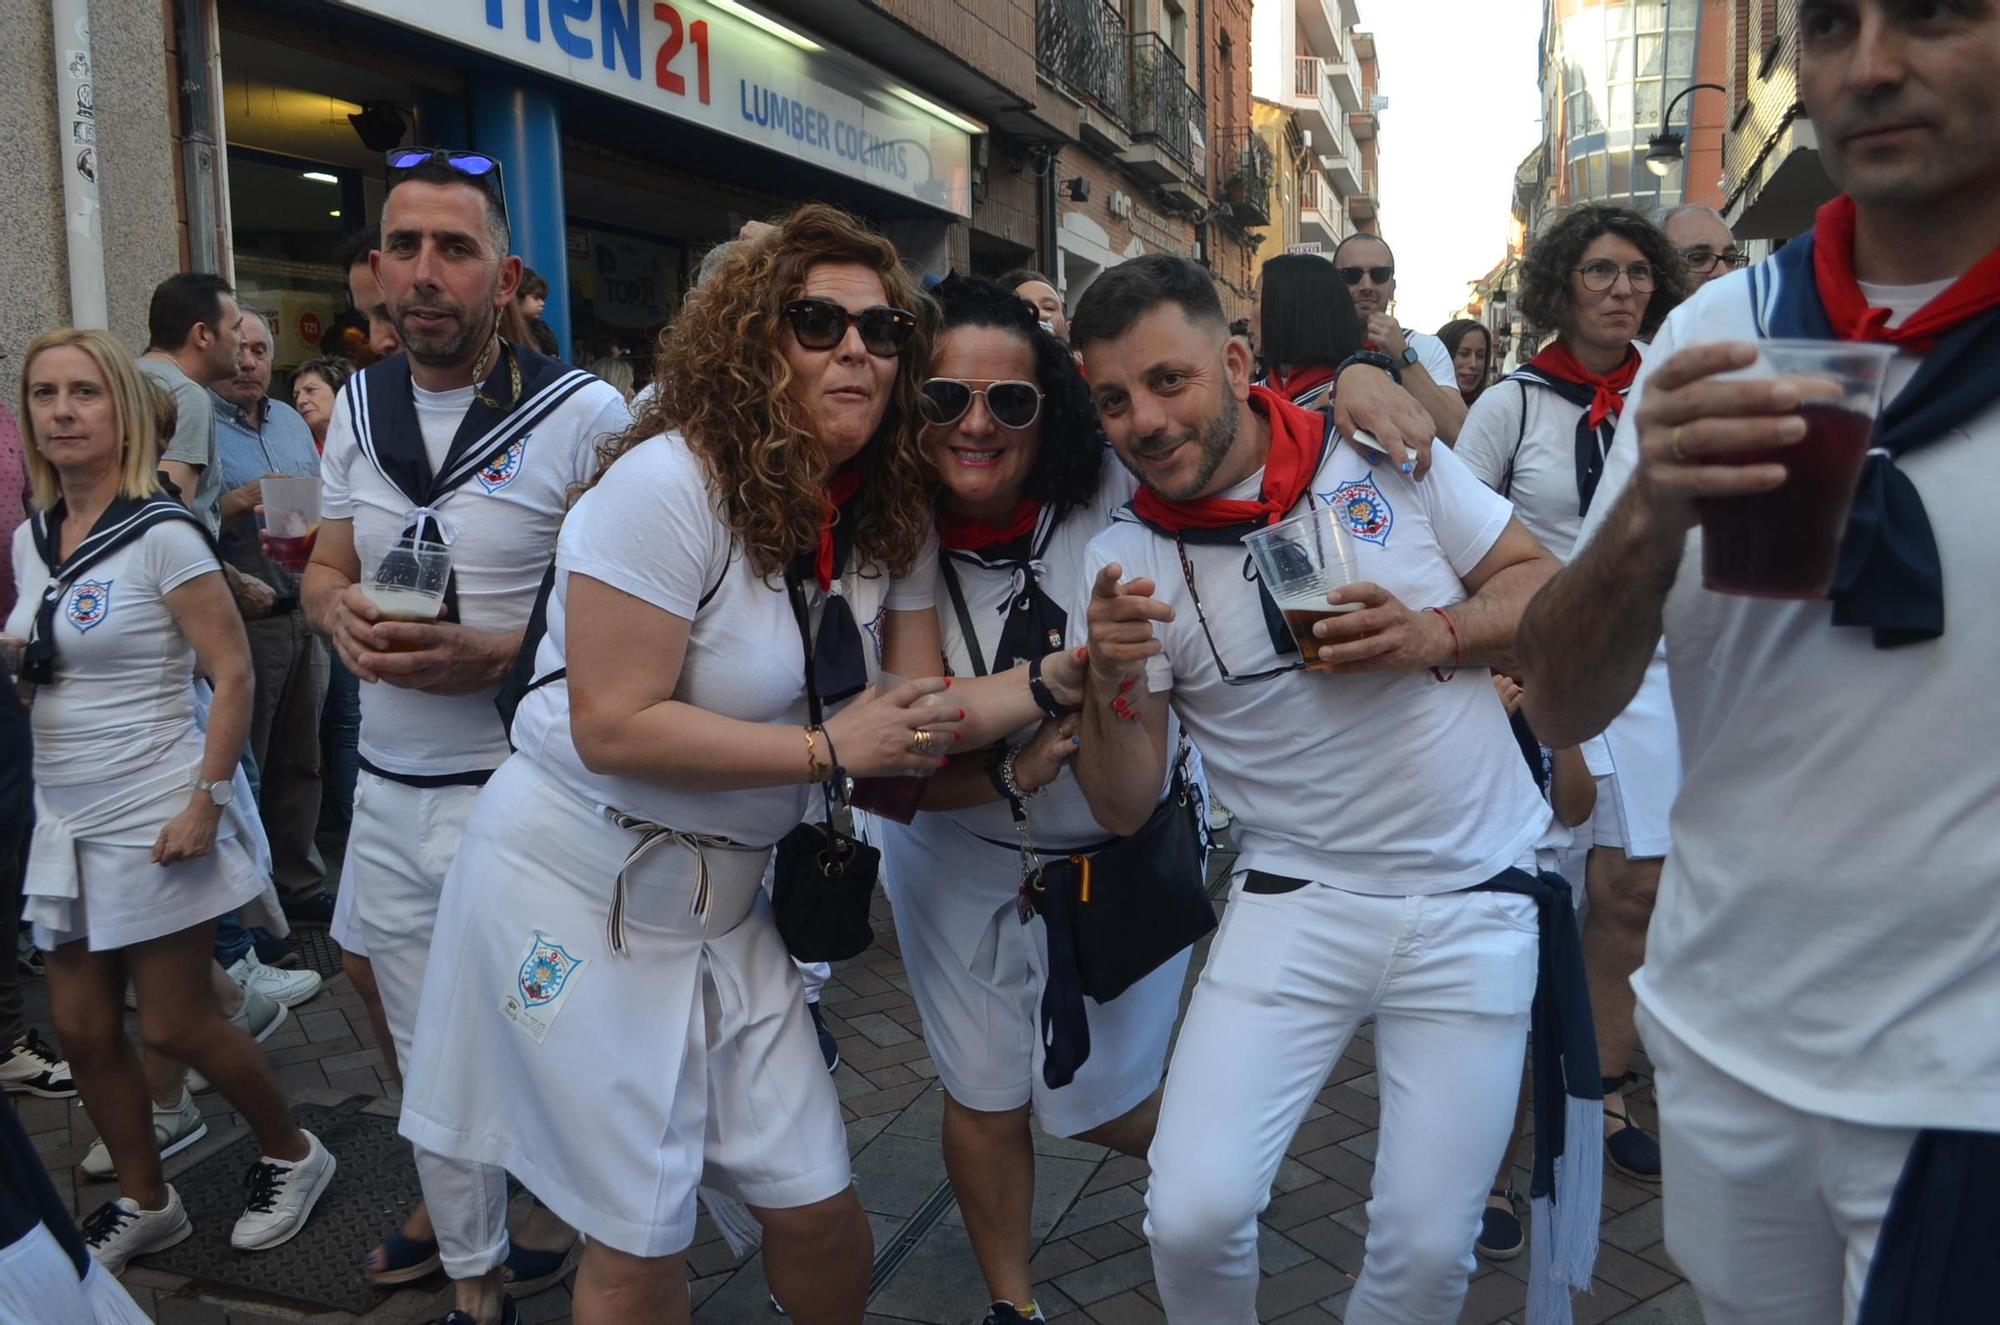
<point>39,1286</point>
<point>977,974</point>
<point>613,1085</point>
<point>1637,764</point>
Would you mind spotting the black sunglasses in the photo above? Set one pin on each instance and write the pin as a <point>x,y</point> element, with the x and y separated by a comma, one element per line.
<point>477,167</point>
<point>945,400</point>
<point>1222,668</point>
<point>1378,275</point>
<point>821,324</point>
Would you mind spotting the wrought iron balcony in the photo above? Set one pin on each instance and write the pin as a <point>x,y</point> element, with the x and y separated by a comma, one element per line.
<point>1081,44</point>
<point>1162,106</point>
<point>1244,172</point>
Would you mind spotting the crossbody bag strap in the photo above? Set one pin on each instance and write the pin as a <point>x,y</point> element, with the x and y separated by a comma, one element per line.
<point>795,590</point>
<point>958,607</point>
<point>1520,435</point>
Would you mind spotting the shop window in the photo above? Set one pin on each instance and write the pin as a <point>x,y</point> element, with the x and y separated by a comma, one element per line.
<point>623,288</point>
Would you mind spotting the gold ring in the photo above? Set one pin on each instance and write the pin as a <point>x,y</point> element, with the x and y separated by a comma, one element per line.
<point>920,741</point>
<point>1674,444</point>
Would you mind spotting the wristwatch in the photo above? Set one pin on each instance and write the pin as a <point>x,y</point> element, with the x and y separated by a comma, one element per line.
<point>1410,356</point>
<point>220,792</point>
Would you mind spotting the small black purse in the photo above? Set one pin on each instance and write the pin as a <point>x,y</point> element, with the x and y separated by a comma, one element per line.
<point>823,879</point>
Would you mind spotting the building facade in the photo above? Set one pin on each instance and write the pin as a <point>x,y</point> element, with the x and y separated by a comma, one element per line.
<point>1773,181</point>
<point>1314,79</point>
<point>247,137</point>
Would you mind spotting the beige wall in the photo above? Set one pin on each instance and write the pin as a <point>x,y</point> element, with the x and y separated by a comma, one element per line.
<point>136,169</point>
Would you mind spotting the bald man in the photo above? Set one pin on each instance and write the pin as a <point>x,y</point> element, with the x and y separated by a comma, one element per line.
<point>1704,241</point>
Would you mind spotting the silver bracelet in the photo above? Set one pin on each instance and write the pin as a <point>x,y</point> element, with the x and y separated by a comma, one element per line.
<point>1007,778</point>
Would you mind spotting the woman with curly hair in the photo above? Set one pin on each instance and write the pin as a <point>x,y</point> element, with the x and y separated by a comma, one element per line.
<point>1603,278</point>
<point>1026,482</point>
<point>623,1020</point>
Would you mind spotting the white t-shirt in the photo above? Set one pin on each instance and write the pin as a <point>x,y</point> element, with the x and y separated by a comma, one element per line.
<point>502,526</point>
<point>122,695</point>
<point>1436,359</point>
<point>1542,455</point>
<point>1826,929</point>
<point>653,529</point>
<point>1383,783</point>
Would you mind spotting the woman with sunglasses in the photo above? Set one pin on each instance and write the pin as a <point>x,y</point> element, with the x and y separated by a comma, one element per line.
<point>1603,278</point>
<point>1307,326</point>
<point>623,1020</point>
<point>1025,483</point>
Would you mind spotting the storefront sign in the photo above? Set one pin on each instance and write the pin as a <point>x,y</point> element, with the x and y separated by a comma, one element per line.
<point>703,64</point>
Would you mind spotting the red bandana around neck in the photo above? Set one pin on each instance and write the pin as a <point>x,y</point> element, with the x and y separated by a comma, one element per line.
<point>960,533</point>
<point>1608,398</point>
<point>1303,378</point>
<point>840,490</point>
<point>1847,308</point>
<point>1296,452</point>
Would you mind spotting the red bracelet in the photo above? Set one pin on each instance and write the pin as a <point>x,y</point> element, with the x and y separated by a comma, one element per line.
<point>1456,652</point>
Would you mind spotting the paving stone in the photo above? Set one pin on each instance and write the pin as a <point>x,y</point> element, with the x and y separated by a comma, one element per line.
<point>940,1282</point>
<point>1677,1306</point>
<point>1058,1258</point>
<point>1637,1228</point>
<point>1108,1240</point>
<point>1491,1297</point>
<point>1102,1208</point>
<point>1322,1197</point>
<point>1108,1278</point>
<point>1296,1287</point>
<point>1334,1243</point>
<point>1276,1253</point>
<point>1640,1278</point>
<point>885,1101</point>
<point>1363,1145</point>
<point>894,1174</point>
<point>1125,1309</point>
<point>322,1024</point>
<point>1116,1172</point>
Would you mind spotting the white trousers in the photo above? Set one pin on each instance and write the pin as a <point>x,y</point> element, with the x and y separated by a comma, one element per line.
<point>398,851</point>
<point>39,1286</point>
<point>1772,1213</point>
<point>1449,980</point>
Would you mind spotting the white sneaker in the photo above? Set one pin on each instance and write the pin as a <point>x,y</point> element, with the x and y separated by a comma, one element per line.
<point>174,1130</point>
<point>119,1230</point>
<point>282,1195</point>
<point>259,1018</point>
<point>29,1068</point>
<point>288,987</point>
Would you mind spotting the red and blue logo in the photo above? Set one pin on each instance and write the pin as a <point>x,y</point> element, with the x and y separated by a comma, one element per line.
<point>545,972</point>
<point>1365,508</point>
<point>503,468</point>
<point>89,602</point>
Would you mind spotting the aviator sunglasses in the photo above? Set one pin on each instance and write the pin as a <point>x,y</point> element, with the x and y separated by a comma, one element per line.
<point>477,167</point>
<point>944,400</point>
<point>821,324</point>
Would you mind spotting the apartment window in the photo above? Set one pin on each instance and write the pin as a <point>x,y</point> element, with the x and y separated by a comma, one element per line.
<point>1174,27</point>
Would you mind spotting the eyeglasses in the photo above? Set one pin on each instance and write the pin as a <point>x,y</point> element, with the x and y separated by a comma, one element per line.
<point>1602,274</point>
<point>1375,275</point>
<point>945,400</point>
<point>1704,259</point>
<point>477,167</point>
<point>821,324</point>
<point>1222,668</point>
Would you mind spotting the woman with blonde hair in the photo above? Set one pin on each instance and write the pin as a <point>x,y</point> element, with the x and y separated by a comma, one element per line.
<point>622,1020</point>
<point>138,845</point>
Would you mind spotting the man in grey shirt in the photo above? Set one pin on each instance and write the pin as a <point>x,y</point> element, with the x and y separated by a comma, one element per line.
<point>195,331</point>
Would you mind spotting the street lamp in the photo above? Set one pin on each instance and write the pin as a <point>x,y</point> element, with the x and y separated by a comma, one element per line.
<point>1664,148</point>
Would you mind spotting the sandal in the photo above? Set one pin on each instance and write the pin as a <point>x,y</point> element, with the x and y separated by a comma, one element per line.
<point>527,1272</point>
<point>1630,1148</point>
<point>404,1260</point>
<point>1500,1234</point>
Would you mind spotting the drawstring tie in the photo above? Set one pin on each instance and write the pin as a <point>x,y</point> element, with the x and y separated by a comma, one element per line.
<point>651,836</point>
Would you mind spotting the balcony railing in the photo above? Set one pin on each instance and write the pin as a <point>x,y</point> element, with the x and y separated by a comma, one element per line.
<point>1308,76</point>
<point>1163,107</point>
<point>1082,46</point>
<point>1244,172</point>
<point>1315,194</point>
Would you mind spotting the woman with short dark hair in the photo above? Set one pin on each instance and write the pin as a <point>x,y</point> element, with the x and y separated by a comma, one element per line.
<point>1307,327</point>
<point>1471,347</point>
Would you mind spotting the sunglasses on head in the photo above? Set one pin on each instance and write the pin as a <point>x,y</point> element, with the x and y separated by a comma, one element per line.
<point>1377,275</point>
<point>821,324</point>
<point>944,400</point>
<point>477,167</point>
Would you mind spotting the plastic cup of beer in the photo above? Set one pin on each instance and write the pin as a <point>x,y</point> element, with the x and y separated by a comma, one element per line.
<point>291,518</point>
<point>405,580</point>
<point>897,795</point>
<point>1301,561</point>
<point>1785,543</point>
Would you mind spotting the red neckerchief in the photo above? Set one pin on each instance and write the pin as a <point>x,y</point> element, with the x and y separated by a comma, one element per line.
<point>1307,377</point>
<point>959,533</point>
<point>1608,400</point>
<point>840,490</point>
<point>1296,451</point>
<point>1977,291</point>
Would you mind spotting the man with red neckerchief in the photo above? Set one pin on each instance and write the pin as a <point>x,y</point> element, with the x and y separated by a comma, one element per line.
<point>1824,958</point>
<point>1390,837</point>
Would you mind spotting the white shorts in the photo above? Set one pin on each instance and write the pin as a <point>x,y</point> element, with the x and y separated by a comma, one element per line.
<point>1637,764</point>
<point>977,974</point>
<point>688,1060</point>
<point>343,929</point>
<point>39,1286</point>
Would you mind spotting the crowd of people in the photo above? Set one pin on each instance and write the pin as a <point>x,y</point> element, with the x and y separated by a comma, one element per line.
<point>938,583</point>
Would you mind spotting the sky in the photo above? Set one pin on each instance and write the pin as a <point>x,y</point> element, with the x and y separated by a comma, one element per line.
<point>1463,110</point>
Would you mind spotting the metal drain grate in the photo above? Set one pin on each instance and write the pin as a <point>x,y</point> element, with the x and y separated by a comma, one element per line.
<point>320,1269</point>
<point>316,949</point>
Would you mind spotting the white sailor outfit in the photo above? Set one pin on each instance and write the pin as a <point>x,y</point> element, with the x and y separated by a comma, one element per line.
<point>616,1065</point>
<point>117,745</point>
<point>977,972</point>
<point>1520,440</point>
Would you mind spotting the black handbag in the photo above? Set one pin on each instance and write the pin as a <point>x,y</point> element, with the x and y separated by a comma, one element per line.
<point>823,879</point>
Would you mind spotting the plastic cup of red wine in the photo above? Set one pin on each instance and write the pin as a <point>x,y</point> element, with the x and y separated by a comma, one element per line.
<point>1785,543</point>
<point>897,795</point>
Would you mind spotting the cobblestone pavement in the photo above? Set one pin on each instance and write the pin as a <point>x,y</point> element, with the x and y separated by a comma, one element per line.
<point>1091,1266</point>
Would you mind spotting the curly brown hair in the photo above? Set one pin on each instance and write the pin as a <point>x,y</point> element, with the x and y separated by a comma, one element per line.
<point>1545,276</point>
<point>724,383</point>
